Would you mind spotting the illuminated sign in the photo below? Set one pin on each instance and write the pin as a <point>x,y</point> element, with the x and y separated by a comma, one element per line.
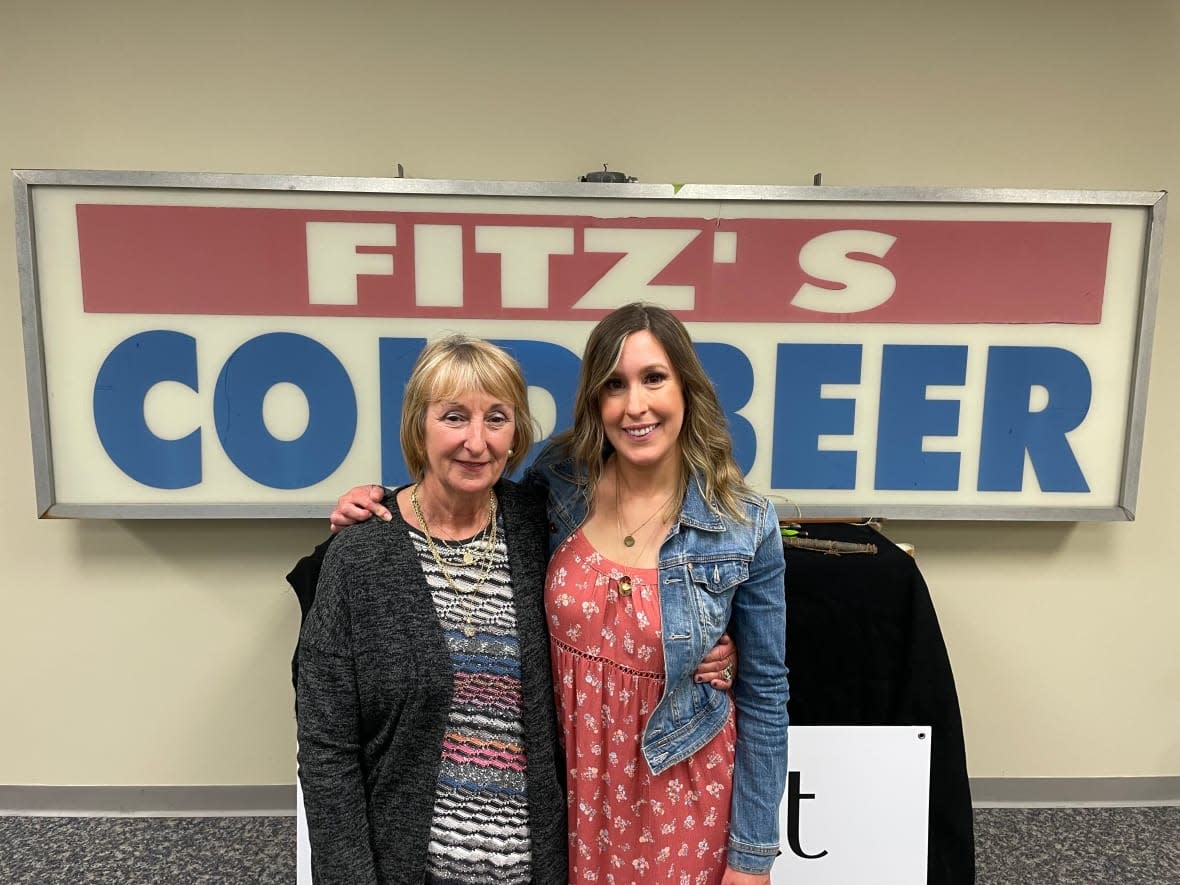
<point>213,345</point>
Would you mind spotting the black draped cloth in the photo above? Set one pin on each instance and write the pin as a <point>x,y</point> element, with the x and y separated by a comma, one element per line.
<point>864,648</point>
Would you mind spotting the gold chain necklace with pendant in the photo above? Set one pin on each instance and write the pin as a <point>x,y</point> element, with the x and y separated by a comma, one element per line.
<point>463,552</point>
<point>626,584</point>
<point>628,538</point>
<point>489,546</point>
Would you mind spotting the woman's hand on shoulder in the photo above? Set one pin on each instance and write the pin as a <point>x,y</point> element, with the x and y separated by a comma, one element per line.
<point>357,505</point>
<point>733,877</point>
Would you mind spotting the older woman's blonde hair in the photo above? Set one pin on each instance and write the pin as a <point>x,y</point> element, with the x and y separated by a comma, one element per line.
<point>446,370</point>
<point>705,445</point>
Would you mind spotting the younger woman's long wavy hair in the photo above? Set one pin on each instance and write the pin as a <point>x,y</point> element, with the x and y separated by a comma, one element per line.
<point>705,444</point>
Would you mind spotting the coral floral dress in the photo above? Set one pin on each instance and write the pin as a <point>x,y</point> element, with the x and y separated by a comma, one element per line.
<point>626,824</point>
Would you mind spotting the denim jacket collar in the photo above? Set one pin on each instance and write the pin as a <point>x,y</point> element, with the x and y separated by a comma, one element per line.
<point>694,512</point>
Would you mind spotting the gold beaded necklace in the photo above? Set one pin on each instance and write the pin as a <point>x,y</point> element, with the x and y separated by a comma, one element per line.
<point>463,551</point>
<point>489,547</point>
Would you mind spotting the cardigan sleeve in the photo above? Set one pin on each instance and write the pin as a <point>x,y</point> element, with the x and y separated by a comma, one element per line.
<point>327,717</point>
<point>303,579</point>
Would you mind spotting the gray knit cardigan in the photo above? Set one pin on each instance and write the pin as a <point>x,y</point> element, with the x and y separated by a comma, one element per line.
<point>374,692</point>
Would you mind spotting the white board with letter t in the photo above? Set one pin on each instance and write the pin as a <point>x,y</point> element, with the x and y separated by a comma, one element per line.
<point>856,807</point>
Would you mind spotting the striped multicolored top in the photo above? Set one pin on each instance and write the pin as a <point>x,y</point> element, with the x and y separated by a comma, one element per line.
<point>480,830</point>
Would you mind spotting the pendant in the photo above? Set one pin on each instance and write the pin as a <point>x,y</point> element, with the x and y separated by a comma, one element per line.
<point>629,541</point>
<point>468,558</point>
<point>625,585</point>
<point>468,631</point>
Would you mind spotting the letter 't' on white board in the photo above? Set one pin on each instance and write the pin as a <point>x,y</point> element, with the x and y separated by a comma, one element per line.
<point>857,806</point>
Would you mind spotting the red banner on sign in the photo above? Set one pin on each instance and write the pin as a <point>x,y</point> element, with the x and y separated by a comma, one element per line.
<point>297,262</point>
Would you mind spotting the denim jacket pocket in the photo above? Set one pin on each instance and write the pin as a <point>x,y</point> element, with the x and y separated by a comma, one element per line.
<point>715,583</point>
<point>717,577</point>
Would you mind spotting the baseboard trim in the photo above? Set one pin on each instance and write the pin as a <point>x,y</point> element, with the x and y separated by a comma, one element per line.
<point>165,801</point>
<point>279,799</point>
<point>1001,792</point>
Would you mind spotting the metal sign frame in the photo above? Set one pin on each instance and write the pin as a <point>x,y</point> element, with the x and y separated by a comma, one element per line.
<point>28,185</point>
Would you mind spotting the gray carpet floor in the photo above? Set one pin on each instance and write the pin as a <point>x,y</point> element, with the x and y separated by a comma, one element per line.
<point>1078,846</point>
<point>1014,846</point>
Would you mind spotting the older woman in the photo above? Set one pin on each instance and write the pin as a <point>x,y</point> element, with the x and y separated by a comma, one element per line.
<point>424,697</point>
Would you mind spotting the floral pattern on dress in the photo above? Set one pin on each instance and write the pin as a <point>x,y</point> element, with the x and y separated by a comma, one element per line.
<point>627,825</point>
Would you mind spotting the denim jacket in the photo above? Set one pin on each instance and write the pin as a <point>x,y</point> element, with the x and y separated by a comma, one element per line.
<point>715,573</point>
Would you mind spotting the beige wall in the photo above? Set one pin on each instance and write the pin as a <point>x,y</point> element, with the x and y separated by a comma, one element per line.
<point>158,652</point>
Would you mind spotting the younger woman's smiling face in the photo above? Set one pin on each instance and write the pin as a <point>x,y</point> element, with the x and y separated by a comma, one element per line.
<point>642,403</point>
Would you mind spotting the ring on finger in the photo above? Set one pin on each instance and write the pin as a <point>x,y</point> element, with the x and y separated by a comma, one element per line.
<point>727,673</point>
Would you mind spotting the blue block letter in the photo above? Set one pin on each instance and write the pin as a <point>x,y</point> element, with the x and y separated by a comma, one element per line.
<point>733,378</point>
<point>552,368</point>
<point>1010,427</point>
<point>801,416</point>
<point>396,357</point>
<point>907,416</point>
<point>127,374</point>
<point>250,372</point>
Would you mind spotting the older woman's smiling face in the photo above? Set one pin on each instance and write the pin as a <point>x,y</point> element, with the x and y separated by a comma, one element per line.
<point>467,442</point>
